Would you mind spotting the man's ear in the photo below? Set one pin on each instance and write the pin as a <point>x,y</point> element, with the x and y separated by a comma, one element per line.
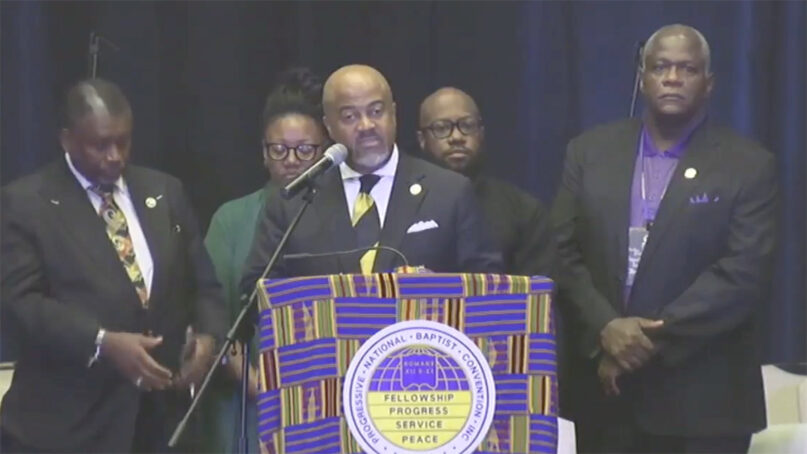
<point>710,84</point>
<point>327,126</point>
<point>421,140</point>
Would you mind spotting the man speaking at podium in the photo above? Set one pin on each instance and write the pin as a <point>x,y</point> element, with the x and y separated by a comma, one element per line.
<point>378,196</point>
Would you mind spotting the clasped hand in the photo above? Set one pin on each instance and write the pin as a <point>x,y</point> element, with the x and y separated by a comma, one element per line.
<point>626,340</point>
<point>626,347</point>
<point>129,354</point>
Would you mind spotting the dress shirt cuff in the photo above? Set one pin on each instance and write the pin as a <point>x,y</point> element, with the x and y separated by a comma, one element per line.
<point>99,339</point>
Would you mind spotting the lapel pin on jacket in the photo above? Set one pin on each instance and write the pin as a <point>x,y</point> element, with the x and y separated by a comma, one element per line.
<point>690,173</point>
<point>415,189</point>
<point>151,202</point>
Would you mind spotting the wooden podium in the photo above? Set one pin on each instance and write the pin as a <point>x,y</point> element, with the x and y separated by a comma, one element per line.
<point>312,327</point>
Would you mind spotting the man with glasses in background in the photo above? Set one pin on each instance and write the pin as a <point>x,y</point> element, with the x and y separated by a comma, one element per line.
<point>452,134</point>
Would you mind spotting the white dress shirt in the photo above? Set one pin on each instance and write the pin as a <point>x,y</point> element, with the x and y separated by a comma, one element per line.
<point>124,200</point>
<point>380,192</point>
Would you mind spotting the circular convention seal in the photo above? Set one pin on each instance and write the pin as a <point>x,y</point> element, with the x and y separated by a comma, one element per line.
<point>419,387</point>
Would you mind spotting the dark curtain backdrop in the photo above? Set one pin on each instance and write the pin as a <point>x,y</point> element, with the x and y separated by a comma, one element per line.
<point>197,74</point>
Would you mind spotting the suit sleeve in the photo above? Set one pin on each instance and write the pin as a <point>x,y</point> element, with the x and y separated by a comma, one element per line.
<point>28,309</point>
<point>268,232</point>
<point>726,293</point>
<point>476,252</point>
<point>534,255</point>
<point>575,286</point>
<point>202,286</point>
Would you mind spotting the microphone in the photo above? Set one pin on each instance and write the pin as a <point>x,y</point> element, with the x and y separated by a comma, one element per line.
<point>334,155</point>
<point>305,255</point>
<point>639,52</point>
<point>638,65</point>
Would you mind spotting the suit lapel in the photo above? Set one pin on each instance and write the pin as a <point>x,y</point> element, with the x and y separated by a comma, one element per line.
<point>699,156</point>
<point>155,221</point>
<point>330,207</point>
<point>401,209</point>
<point>78,217</point>
<point>625,148</point>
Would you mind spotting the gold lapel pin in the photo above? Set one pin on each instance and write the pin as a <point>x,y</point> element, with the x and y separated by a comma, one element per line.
<point>415,189</point>
<point>690,173</point>
<point>151,202</point>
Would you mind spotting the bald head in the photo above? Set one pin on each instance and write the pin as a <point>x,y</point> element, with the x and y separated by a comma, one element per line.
<point>444,99</point>
<point>692,36</point>
<point>360,113</point>
<point>97,133</point>
<point>94,96</point>
<point>451,129</point>
<point>351,78</point>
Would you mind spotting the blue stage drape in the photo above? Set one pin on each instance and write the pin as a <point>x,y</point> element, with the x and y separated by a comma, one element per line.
<point>197,74</point>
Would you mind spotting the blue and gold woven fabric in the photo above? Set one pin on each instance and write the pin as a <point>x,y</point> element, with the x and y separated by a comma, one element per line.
<point>311,328</point>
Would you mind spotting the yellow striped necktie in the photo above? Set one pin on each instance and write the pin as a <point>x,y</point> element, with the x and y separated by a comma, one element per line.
<point>366,221</point>
<point>118,232</point>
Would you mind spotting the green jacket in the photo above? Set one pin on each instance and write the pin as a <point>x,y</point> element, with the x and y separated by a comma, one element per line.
<point>229,239</point>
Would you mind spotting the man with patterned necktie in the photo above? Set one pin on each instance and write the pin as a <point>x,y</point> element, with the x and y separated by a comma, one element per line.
<point>379,196</point>
<point>103,269</point>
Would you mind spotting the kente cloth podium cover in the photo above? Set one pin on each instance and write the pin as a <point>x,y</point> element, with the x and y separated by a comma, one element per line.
<point>489,385</point>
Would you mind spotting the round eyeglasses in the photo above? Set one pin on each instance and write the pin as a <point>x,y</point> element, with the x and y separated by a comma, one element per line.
<point>280,151</point>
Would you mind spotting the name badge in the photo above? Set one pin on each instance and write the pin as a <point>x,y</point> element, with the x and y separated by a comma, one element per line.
<point>637,238</point>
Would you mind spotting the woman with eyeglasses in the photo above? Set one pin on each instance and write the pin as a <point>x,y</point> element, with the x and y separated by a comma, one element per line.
<point>293,138</point>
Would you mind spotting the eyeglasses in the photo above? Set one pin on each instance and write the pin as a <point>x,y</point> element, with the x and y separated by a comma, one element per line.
<point>279,151</point>
<point>441,129</point>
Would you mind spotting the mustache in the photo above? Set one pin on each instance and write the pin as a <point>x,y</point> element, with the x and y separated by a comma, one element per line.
<point>368,135</point>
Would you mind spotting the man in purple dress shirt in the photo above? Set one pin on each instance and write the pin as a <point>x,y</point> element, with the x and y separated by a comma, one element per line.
<point>666,231</point>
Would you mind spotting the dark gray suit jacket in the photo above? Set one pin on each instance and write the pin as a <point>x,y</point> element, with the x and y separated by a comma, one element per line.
<point>705,271</point>
<point>460,243</point>
<point>62,280</point>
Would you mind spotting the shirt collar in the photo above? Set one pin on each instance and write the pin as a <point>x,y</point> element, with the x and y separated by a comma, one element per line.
<point>387,170</point>
<point>119,184</point>
<point>649,149</point>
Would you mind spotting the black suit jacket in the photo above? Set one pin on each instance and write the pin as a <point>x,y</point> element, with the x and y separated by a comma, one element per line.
<point>62,280</point>
<point>705,271</point>
<point>460,243</point>
<point>520,224</point>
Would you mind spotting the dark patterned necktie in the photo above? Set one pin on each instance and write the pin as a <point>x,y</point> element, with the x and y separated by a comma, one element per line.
<point>118,232</point>
<point>366,221</point>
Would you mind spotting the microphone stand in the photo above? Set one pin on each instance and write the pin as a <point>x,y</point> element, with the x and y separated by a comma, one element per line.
<point>92,54</point>
<point>94,50</point>
<point>237,329</point>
